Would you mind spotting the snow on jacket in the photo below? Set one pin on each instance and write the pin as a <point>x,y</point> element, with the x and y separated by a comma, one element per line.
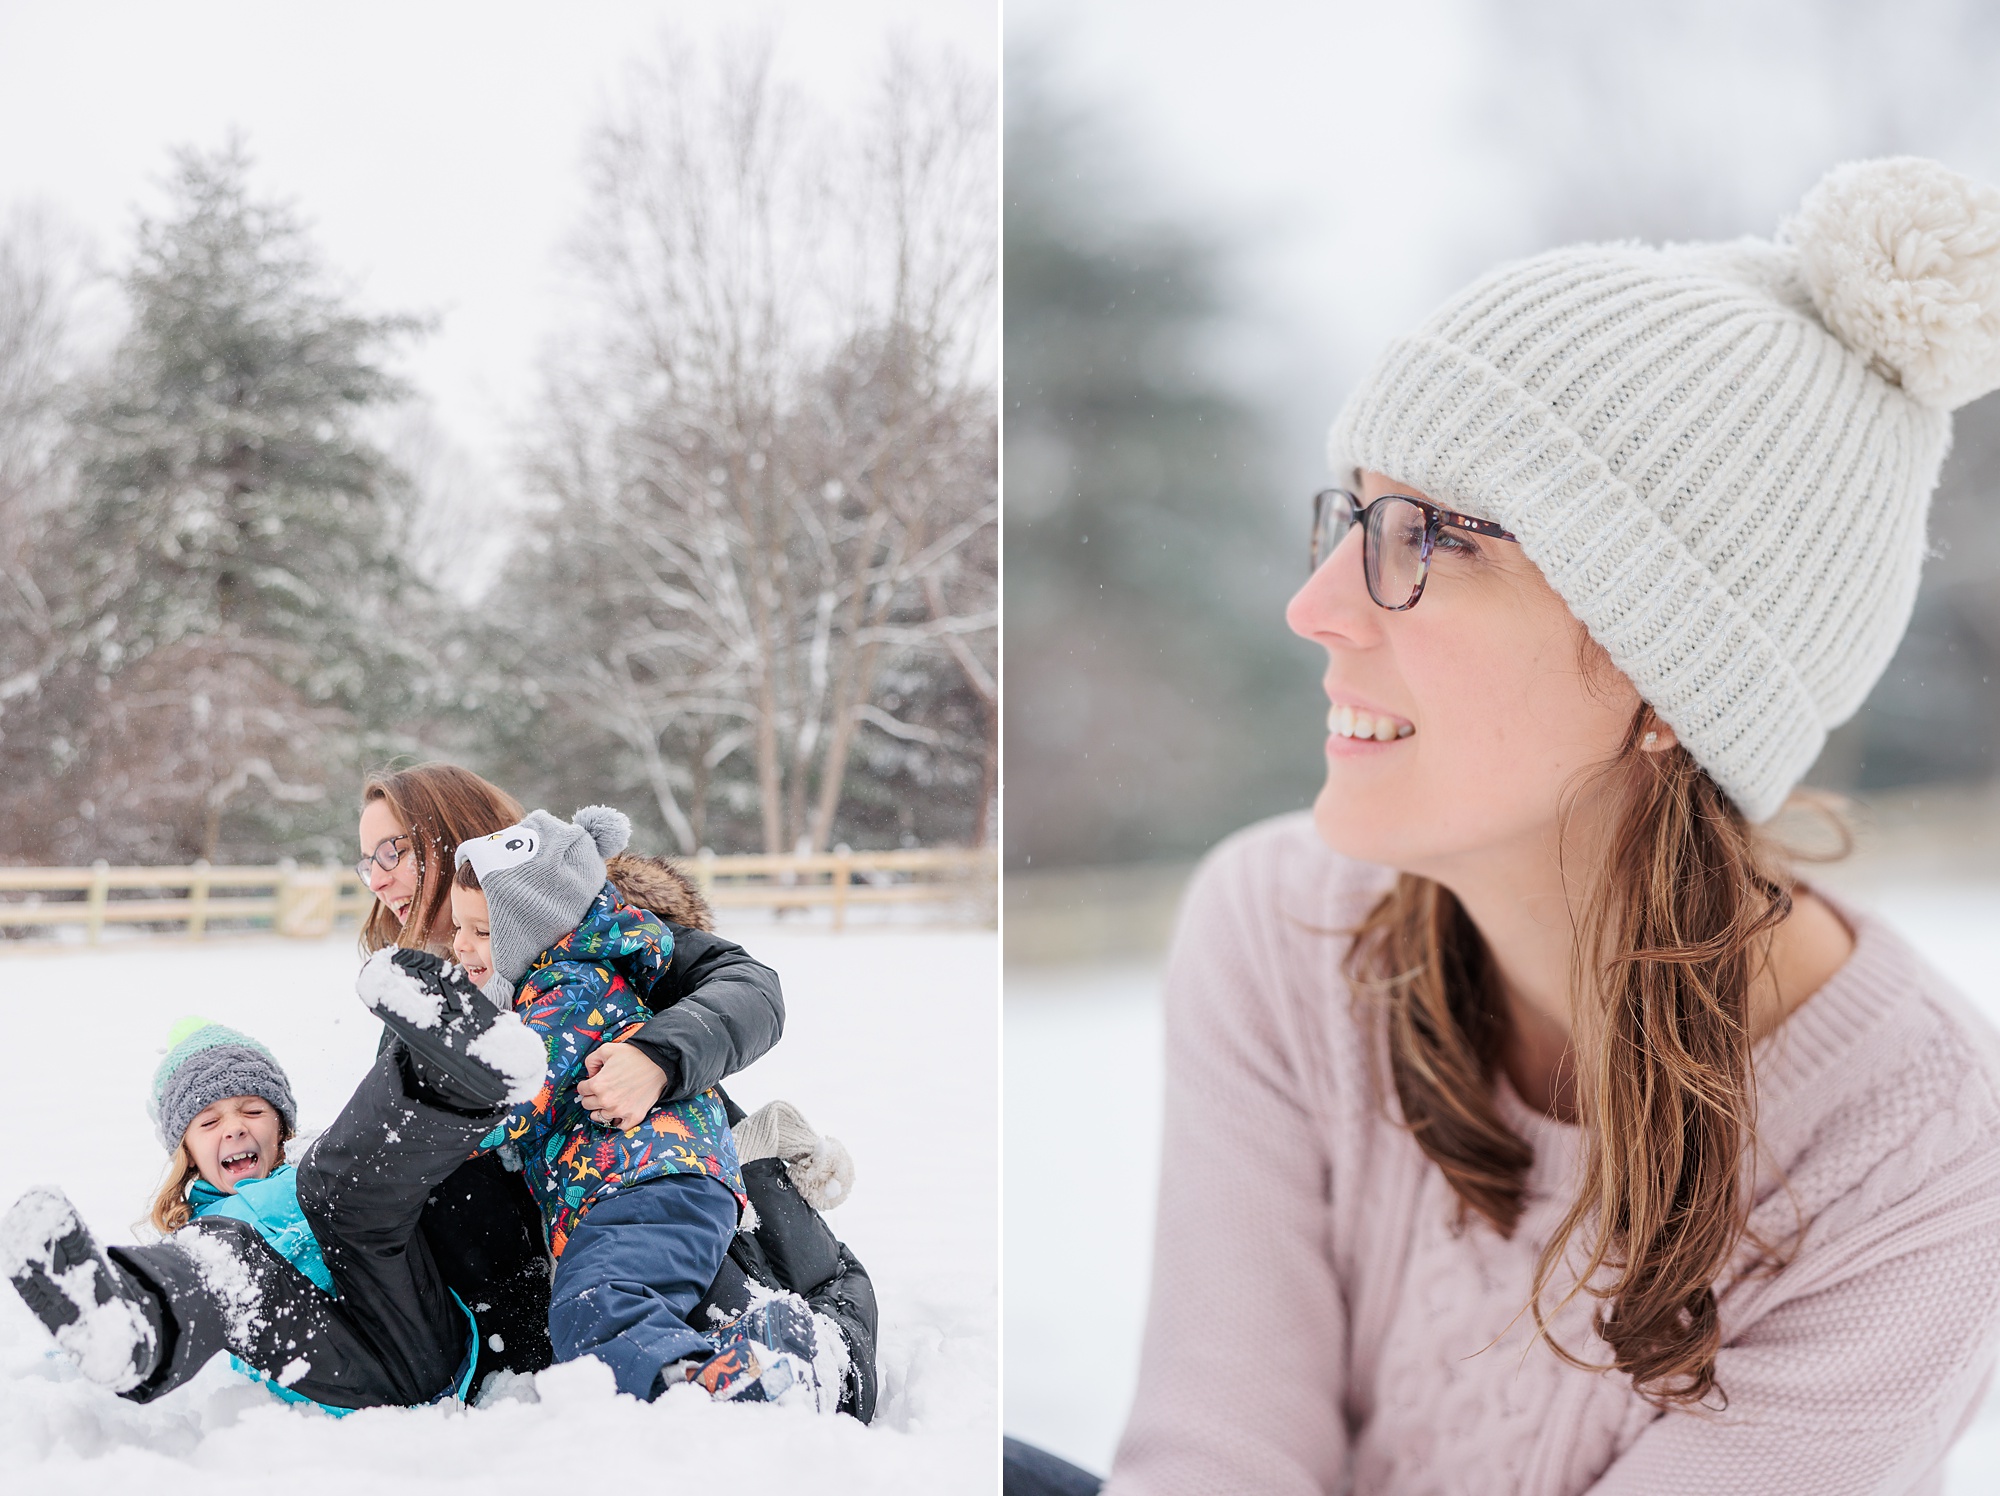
<point>583,991</point>
<point>271,1206</point>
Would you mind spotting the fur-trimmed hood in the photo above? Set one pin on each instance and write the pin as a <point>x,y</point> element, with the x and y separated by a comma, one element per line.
<point>658,886</point>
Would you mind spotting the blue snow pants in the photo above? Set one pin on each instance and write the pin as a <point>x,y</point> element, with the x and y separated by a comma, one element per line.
<point>632,1271</point>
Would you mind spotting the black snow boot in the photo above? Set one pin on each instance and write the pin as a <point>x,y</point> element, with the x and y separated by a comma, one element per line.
<point>440,1017</point>
<point>105,1320</point>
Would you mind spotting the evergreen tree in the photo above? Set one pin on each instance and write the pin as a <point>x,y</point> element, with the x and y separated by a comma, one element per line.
<point>235,583</point>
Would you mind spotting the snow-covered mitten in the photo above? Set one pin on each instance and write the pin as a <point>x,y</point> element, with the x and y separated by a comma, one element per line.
<point>104,1319</point>
<point>468,1053</point>
<point>821,1167</point>
<point>770,1353</point>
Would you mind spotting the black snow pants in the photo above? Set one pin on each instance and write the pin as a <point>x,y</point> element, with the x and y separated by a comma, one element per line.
<point>485,1231</point>
<point>394,1336</point>
<point>794,1248</point>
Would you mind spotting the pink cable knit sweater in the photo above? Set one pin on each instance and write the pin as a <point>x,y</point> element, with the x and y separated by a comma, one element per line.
<point>1317,1324</point>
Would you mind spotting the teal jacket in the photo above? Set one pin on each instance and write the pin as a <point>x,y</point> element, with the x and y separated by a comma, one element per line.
<point>271,1206</point>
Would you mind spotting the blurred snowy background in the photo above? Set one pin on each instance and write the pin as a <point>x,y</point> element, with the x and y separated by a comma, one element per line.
<point>1215,216</point>
<point>372,381</point>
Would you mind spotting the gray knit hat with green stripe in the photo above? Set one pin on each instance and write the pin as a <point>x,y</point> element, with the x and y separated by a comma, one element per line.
<point>206,1063</point>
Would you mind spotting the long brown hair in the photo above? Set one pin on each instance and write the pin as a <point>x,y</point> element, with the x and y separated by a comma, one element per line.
<point>1673,934</point>
<point>439,805</point>
<point>171,1210</point>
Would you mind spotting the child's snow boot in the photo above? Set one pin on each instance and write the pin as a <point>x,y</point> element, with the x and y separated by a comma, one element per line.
<point>465,1052</point>
<point>771,1353</point>
<point>99,1314</point>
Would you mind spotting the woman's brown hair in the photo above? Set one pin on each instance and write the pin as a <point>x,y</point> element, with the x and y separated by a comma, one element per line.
<point>439,805</point>
<point>1671,940</point>
<point>171,1210</point>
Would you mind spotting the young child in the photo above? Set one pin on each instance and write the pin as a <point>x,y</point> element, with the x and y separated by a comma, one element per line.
<point>311,1277</point>
<point>639,1218</point>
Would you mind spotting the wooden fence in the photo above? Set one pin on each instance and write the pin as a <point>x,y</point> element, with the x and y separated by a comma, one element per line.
<point>307,902</point>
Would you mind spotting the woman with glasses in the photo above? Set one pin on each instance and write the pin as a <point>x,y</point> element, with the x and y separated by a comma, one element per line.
<point>1531,1125</point>
<point>716,1009</point>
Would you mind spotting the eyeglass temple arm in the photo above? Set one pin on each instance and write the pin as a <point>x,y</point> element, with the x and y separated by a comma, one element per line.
<point>1477,526</point>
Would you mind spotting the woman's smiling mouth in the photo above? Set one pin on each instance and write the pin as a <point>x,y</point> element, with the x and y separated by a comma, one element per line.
<point>1345,721</point>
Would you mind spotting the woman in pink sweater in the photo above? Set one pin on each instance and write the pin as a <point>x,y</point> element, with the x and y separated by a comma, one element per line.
<point>1529,1128</point>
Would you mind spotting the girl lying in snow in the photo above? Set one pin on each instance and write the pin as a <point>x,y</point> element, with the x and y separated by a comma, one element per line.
<point>314,1278</point>
<point>640,1215</point>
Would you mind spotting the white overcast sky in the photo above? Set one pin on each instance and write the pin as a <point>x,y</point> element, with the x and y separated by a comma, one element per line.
<point>433,145</point>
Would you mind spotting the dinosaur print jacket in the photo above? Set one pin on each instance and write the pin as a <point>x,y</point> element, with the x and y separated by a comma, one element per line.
<point>586,990</point>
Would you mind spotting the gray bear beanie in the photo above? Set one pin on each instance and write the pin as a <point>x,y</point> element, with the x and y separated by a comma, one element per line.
<point>1721,456</point>
<point>540,876</point>
<point>206,1063</point>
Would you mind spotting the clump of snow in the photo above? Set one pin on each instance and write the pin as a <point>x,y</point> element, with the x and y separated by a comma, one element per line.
<point>388,988</point>
<point>511,1049</point>
<point>106,1338</point>
<point>884,1022</point>
<point>830,1360</point>
<point>29,1229</point>
<point>295,1368</point>
<point>225,1276</point>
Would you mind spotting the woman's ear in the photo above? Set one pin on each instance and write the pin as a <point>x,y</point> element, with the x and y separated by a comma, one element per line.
<point>1657,736</point>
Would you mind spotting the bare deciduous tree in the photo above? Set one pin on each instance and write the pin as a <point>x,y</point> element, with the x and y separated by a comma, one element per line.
<point>773,459</point>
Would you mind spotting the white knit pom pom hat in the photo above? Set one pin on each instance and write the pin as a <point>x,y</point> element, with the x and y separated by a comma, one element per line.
<point>1721,456</point>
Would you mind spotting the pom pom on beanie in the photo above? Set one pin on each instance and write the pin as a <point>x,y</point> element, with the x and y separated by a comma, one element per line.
<point>610,829</point>
<point>1902,257</point>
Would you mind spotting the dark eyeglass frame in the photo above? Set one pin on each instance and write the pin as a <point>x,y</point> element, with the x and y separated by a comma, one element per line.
<point>1435,519</point>
<point>376,859</point>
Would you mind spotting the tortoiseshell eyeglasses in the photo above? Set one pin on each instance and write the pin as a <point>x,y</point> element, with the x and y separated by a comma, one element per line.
<point>1399,536</point>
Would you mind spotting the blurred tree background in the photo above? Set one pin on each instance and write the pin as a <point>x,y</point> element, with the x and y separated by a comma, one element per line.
<point>754,599</point>
<point>1153,695</point>
<point>1154,491</point>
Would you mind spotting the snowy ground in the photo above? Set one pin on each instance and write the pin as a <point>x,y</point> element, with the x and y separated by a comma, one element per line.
<point>1083,1060</point>
<point>890,1045</point>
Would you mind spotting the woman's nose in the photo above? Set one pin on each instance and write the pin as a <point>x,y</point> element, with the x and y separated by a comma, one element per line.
<point>1334,601</point>
<point>379,877</point>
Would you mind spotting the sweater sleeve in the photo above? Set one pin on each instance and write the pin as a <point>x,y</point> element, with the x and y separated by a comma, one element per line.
<point>1860,1385</point>
<point>1240,1380</point>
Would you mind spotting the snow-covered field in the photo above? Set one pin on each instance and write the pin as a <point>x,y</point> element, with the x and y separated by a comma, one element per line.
<point>1083,1061</point>
<point>890,1045</point>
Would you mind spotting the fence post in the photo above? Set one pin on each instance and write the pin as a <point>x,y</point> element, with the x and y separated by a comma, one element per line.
<point>843,870</point>
<point>305,902</point>
<point>100,890</point>
<point>198,900</point>
<point>281,896</point>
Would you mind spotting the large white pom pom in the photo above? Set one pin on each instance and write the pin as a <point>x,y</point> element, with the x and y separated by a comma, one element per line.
<point>1903,260</point>
<point>610,829</point>
<point>821,1168</point>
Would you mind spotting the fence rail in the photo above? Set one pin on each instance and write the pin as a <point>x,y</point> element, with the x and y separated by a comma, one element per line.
<point>307,902</point>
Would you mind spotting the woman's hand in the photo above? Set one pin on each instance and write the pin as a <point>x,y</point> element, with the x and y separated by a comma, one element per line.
<point>622,1085</point>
